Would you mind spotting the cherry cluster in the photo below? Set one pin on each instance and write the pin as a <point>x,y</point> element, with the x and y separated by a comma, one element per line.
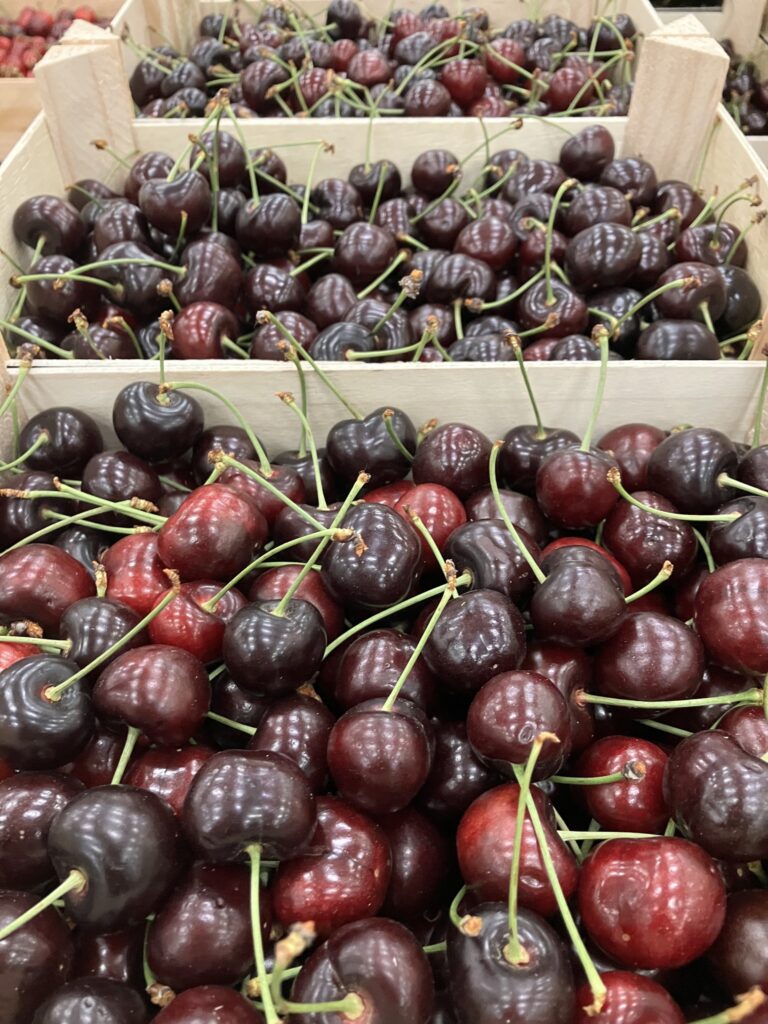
<point>745,93</point>
<point>225,259</point>
<point>25,38</point>
<point>430,64</point>
<point>417,728</point>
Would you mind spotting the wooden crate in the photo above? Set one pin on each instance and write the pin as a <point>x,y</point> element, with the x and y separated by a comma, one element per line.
<point>745,23</point>
<point>20,97</point>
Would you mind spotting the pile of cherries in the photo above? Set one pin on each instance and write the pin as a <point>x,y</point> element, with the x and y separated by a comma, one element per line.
<point>745,93</point>
<point>430,64</point>
<point>418,728</point>
<point>237,263</point>
<point>25,38</point>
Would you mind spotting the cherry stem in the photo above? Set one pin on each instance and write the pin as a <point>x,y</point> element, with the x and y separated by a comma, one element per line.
<point>308,437</point>
<point>128,508</point>
<point>254,853</point>
<point>189,385</point>
<point>504,516</point>
<point>75,880</point>
<point>482,307</point>
<point>53,693</point>
<point>724,480</point>
<point>24,368</point>
<point>55,645</point>
<point>410,285</point>
<point>387,417</point>
<point>548,238</point>
<point>672,730</point>
<point>334,533</point>
<point>513,952</point>
<point>680,282</point>
<point>308,264</point>
<point>385,613</point>
<point>379,187</point>
<point>222,459</point>
<point>249,730</point>
<point>661,577</point>
<point>419,525</point>
<point>448,592</point>
<point>6,325</point>
<point>633,771</point>
<point>310,175</point>
<point>601,836</point>
<point>614,477</point>
<point>42,438</point>
<point>602,340</point>
<point>596,983</point>
<point>745,1007</point>
<point>514,341</point>
<point>265,317</point>
<point>401,257</point>
<point>130,742</point>
<point>753,696</point>
<point>467,924</point>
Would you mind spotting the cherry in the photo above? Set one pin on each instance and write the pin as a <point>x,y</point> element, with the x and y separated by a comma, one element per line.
<point>487,550</point>
<point>729,615</point>
<point>522,510</point>
<point>39,582</point>
<point>297,726</point>
<point>123,843</point>
<point>343,876</point>
<point>168,205</point>
<point>650,657</point>
<point>202,934</point>
<point>685,468</point>
<point>632,445</point>
<point>135,574</point>
<point>188,624</point>
<point>156,425</point>
<point>427,98</point>
<point>525,448</point>
<point>35,960</point>
<point>484,842</point>
<point>651,902</point>
<point>29,801</point>
<point>281,821</point>
<point>603,254</point>
<point>371,666</point>
<point>749,727</point>
<point>162,691</point>
<point>485,988</point>
<point>51,219</point>
<point>630,999</point>
<point>455,456</point>
<point>102,999</point>
<point>73,438</point>
<point>555,616</point>
<point>420,864</point>
<point>636,801</point>
<point>737,956</point>
<point>96,763</point>
<point>572,487</point>
<point>115,955</point>
<point>273,649</point>
<point>509,712</point>
<point>632,176</point>
<point>210,1004</point>
<point>478,635</point>
<point>168,772</point>
<point>283,478</point>
<point>366,445</point>
<point>570,669</point>
<point>227,438</point>
<point>677,339</point>
<point>580,549</point>
<point>456,777</point>
<point>120,476</point>
<point>714,790</point>
<point>36,732</point>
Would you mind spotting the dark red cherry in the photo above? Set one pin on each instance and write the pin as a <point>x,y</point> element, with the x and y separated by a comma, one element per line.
<point>650,657</point>
<point>677,339</point>
<point>749,727</point>
<point>232,440</point>
<point>36,732</point>
<point>188,624</point>
<point>636,803</point>
<point>651,902</point>
<point>486,989</point>
<point>439,510</point>
<point>644,541</point>
<point>716,795</point>
<point>455,456</point>
<point>371,666</point>
<point>164,203</point>
<point>93,999</point>
<point>57,303</point>
<point>572,487</point>
<point>270,227</point>
<point>508,713</point>
<point>460,277</point>
<point>630,999</point>
<point>534,309</point>
<point>135,574</point>
<point>212,275</point>
<point>238,705</point>
<point>210,1004</point>
<point>634,177</point>
<point>120,476</point>
<point>479,635</point>
<point>484,842</point>
<point>743,300</point>
<point>168,772</point>
<point>685,468</point>
<point>36,959</point>
<point>524,451</point>
<point>557,618</point>
<point>632,445</point>
<point>39,582</point>
<point>73,437</point>
<point>522,510</point>
<point>597,204</point>
<point>487,550</point>
<point>157,426</point>
<point>115,955</point>
<point>729,613</point>
<point>716,244</point>
<point>680,196</point>
<point>380,758</point>
<point>162,691</point>
<point>354,446</point>
<point>96,763</point>
<point>297,726</point>
<point>202,934</point>
<point>684,303</point>
<point>343,876</point>
<point>125,842</point>
<point>29,801</point>
<point>420,864</point>
<point>603,255</point>
<point>738,956</point>
<point>281,821</point>
<point>51,219</point>
<point>744,537</point>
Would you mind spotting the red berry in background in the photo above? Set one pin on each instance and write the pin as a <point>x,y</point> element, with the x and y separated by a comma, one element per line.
<point>465,80</point>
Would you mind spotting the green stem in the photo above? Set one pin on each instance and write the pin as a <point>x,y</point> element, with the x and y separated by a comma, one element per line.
<point>387,417</point>
<point>394,693</point>
<point>504,516</point>
<point>672,730</point>
<point>517,349</point>
<point>62,353</point>
<point>597,404</point>
<point>75,880</point>
<point>743,1010</point>
<point>428,538</point>
<point>53,693</point>
<point>227,460</point>
<point>10,398</point>
<point>42,438</point>
<point>724,480</point>
<point>753,696</point>
<point>661,577</point>
<point>308,436</point>
<point>548,238</point>
<point>351,1007</point>
<point>615,478</point>
<point>596,983</point>
<point>254,853</point>
<point>231,723</point>
<point>401,257</point>
<point>706,551</point>
<point>596,780</point>
<point>130,742</point>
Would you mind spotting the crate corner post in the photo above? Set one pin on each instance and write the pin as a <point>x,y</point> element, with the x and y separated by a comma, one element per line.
<point>677,92</point>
